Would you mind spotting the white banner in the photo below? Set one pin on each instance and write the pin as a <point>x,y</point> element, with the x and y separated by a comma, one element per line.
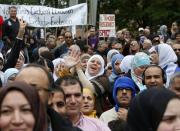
<point>107,25</point>
<point>42,16</point>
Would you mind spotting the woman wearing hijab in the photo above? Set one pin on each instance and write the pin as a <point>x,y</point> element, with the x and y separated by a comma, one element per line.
<point>139,63</point>
<point>95,67</point>
<point>125,65</point>
<point>166,59</point>
<point>95,79</point>
<point>60,68</point>
<point>88,104</point>
<point>21,108</point>
<point>156,109</point>
<point>163,33</point>
<point>116,71</point>
<point>9,75</point>
<point>110,54</point>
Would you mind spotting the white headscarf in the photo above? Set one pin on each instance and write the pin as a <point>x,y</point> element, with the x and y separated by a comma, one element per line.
<point>8,73</point>
<point>166,55</point>
<point>56,62</point>
<point>101,72</point>
<point>125,65</point>
<point>110,54</point>
<point>167,59</point>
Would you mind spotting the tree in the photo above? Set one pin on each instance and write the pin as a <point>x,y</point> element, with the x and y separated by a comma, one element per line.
<point>136,13</point>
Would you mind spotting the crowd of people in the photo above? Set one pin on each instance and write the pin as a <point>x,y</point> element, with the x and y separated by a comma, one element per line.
<point>61,82</point>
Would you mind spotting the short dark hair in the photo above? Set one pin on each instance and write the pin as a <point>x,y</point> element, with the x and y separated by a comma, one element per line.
<point>69,80</point>
<point>163,73</point>
<point>12,7</point>
<point>58,89</point>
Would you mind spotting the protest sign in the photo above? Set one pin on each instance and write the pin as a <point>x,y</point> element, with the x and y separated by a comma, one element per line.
<point>107,25</point>
<point>43,16</point>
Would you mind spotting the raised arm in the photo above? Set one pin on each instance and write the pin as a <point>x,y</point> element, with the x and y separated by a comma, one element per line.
<point>14,53</point>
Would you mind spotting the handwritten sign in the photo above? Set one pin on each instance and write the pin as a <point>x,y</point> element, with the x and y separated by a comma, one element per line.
<point>107,25</point>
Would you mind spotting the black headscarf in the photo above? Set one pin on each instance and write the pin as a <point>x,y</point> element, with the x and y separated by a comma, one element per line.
<point>32,97</point>
<point>147,109</point>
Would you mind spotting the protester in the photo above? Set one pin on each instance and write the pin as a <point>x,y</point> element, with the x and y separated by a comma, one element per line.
<point>176,48</point>
<point>174,83</point>
<point>39,77</point>
<point>156,109</point>
<point>93,38</point>
<point>110,54</point>
<point>9,75</point>
<point>83,60</point>
<point>11,28</point>
<point>147,44</point>
<point>163,33</point>
<point>166,59</point>
<point>125,65</point>
<point>134,47</point>
<point>139,63</point>
<point>154,76</point>
<point>123,92</point>
<point>174,29</point>
<point>88,104</point>
<point>116,71</point>
<point>57,101</point>
<point>64,47</point>
<point>21,108</point>
<point>14,54</point>
<point>73,91</point>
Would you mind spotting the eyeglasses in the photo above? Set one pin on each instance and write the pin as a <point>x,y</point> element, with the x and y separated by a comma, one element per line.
<point>176,49</point>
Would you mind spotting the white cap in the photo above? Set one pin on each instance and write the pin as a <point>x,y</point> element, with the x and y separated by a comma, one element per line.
<point>141,29</point>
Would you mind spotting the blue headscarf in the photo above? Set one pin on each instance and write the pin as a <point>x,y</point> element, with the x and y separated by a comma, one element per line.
<point>140,59</point>
<point>123,83</point>
<point>114,75</point>
<point>114,59</point>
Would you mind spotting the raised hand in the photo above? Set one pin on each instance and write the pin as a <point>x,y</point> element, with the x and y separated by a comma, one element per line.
<point>22,26</point>
<point>73,58</point>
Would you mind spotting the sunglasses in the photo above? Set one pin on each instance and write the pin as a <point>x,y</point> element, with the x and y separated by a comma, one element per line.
<point>176,49</point>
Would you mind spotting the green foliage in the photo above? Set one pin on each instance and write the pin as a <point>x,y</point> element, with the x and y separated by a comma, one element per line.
<point>136,13</point>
